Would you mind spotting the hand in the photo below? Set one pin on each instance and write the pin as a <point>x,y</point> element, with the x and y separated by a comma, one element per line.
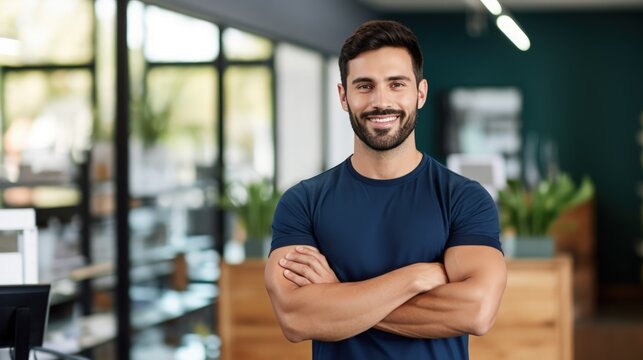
<point>306,265</point>
<point>430,275</point>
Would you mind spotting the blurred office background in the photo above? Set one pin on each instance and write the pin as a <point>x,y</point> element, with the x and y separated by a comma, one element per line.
<point>138,168</point>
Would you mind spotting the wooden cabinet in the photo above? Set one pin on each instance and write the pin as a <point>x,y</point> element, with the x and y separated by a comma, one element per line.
<point>535,319</point>
<point>247,325</point>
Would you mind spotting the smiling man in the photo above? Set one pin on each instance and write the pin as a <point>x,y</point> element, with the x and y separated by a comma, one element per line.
<point>388,255</point>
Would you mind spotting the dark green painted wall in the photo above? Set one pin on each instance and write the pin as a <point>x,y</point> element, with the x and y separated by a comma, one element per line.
<point>582,83</point>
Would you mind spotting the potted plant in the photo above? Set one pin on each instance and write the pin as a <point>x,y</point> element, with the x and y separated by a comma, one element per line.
<point>254,204</point>
<point>527,216</point>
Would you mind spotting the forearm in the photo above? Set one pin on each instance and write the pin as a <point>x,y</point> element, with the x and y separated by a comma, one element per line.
<point>453,309</point>
<point>332,312</point>
<point>467,305</point>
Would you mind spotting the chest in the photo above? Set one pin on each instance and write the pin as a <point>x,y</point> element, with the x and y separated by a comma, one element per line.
<point>366,232</point>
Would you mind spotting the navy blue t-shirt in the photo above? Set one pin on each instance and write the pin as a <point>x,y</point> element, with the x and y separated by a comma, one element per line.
<point>367,227</point>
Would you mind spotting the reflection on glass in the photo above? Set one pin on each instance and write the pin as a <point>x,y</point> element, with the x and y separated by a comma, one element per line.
<point>105,68</point>
<point>178,122</point>
<point>239,45</point>
<point>55,118</point>
<point>188,94</point>
<point>170,36</point>
<point>135,24</point>
<point>248,123</point>
<point>135,33</point>
<point>48,31</point>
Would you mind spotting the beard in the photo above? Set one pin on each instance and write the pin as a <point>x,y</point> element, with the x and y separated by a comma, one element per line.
<point>383,139</point>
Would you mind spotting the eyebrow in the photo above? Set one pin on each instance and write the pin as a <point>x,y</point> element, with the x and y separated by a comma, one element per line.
<point>390,78</point>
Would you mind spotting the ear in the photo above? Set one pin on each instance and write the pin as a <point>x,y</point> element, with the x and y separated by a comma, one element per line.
<point>342,96</point>
<point>423,92</point>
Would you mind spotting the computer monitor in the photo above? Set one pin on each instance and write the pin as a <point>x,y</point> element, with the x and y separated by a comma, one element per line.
<point>23,317</point>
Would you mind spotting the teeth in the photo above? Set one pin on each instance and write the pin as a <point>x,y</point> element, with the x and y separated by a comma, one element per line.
<point>382,120</point>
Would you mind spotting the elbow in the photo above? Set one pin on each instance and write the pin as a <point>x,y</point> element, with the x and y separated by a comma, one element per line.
<point>292,336</point>
<point>483,320</point>
<point>481,327</point>
<point>292,328</point>
<point>297,328</point>
<point>292,333</point>
<point>486,308</point>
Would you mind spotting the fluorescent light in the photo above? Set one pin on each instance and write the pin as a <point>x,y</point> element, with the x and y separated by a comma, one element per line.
<point>9,47</point>
<point>509,27</point>
<point>493,6</point>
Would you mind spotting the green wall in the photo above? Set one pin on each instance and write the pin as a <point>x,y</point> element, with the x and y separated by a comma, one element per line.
<point>582,84</point>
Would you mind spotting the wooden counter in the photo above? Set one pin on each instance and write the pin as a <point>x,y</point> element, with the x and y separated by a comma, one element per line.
<point>534,321</point>
<point>247,324</point>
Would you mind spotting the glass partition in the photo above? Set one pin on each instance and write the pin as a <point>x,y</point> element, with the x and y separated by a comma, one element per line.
<point>173,154</point>
<point>47,31</point>
<point>248,118</point>
<point>242,46</point>
<point>173,37</point>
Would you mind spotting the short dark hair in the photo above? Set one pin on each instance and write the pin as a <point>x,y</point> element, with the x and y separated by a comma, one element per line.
<point>376,34</point>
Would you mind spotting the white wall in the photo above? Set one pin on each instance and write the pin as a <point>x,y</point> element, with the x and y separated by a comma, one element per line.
<point>340,133</point>
<point>299,114</point>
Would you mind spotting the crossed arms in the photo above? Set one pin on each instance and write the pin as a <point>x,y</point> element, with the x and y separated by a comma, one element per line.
<point>422,300</point>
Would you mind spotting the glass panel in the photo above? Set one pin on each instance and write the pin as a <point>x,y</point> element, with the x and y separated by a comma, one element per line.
<point>299,91</point>
<point>172,184</point>
<point>54,120</point>
<point>135,33</point>
<point>248,123</point>
<point>105,69</point>
<point>179,118</point>
<point>239,45</point>
<point>47,31</point>
<point>172,37</point>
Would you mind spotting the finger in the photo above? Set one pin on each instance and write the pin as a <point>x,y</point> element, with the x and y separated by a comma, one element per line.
<point>298,280</point>
<point>314,252</point>
<point>300,269</point>
<point>307,259</point>
<point>311,251</point>
<point>324,273</point>
<point>307,249</point>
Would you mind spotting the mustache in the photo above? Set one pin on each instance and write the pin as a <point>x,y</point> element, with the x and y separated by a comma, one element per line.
<point>383,112</point>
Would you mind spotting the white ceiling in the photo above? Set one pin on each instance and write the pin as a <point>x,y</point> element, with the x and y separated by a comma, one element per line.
<point>517,5</point>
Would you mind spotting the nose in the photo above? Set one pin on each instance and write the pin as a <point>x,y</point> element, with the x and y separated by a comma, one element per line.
<point>381,98</point>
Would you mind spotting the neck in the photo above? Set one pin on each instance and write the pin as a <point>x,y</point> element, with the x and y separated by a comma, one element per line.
<point>389,164</point>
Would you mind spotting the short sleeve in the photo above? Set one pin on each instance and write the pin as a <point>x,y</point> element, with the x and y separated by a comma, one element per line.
<point>292,222</point>
<point>474,217</point>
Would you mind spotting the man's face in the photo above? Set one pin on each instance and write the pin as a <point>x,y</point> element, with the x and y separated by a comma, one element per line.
<point>382,97</point>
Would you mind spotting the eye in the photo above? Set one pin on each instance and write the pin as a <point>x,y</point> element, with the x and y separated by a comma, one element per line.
<point>397,84</point>
<point>364,86</point>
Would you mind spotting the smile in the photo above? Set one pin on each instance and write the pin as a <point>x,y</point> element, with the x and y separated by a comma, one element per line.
<point>382,120</point>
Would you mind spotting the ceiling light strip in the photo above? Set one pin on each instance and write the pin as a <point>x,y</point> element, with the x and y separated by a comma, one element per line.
<point>493,6</point>
<point>511,29</point>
